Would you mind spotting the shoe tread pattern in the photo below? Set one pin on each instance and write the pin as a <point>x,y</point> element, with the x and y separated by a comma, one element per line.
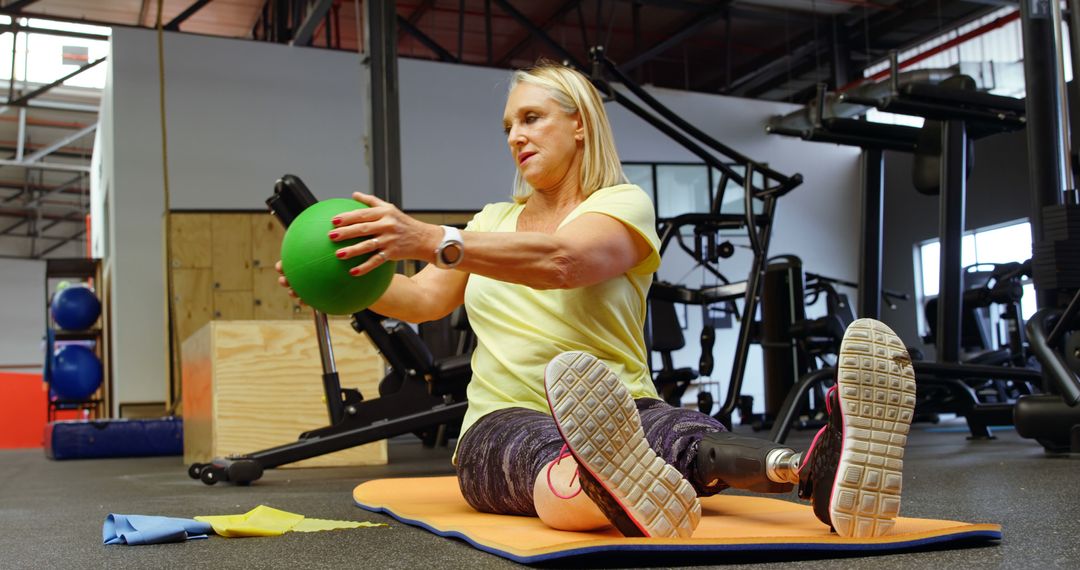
<point>600,423</point>
<point>876,387</point>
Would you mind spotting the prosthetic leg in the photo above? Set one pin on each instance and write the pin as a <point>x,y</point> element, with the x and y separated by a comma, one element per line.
<point>726,460</point>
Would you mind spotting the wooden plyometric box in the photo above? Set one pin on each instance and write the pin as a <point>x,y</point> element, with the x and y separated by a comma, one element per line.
<point>251,385</point>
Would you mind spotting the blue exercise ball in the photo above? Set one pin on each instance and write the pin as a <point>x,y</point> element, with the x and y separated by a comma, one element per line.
<point>75,308</point>
<point>75,373</point>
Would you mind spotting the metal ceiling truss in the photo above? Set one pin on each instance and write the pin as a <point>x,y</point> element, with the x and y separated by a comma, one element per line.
<point>17,5</point>
<point>174,24</point>
<point>316,15</point>
<point>538,32</point>
<point>24,188</point>
<point>689,28</point>
<point>41,208</point>
<point>57,145</point>
<point>17,212</point>
<point>5,28</point>
<point>833,46</point>
<point>76,181</point>
<point>527,38</point>
<point>438,50</point>
<point>36,235</point>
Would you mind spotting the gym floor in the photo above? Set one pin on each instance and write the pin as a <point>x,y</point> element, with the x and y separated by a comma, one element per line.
<point>52,511</point>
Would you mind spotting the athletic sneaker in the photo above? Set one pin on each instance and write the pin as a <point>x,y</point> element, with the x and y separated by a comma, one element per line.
<point>637,490</point>
<point>852,472</point>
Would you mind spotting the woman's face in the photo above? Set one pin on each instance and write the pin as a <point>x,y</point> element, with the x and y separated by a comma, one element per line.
<point>544,140</point>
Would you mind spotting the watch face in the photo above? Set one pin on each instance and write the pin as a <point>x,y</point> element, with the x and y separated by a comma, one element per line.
<point>451,254</point>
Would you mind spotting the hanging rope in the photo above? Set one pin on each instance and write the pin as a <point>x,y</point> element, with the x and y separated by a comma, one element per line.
<point>174,386</point>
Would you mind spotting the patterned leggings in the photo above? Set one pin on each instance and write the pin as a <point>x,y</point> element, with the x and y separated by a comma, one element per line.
<point>500,456</point>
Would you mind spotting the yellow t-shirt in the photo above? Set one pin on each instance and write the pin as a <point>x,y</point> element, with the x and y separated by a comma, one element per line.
<point>520,329</point>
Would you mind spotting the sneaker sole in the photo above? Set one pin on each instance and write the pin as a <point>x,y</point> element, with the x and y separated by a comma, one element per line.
<point>600,425</point>
<point>876,386</point>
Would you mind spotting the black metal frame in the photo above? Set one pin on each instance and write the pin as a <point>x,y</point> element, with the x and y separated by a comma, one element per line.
<point>384,125</point>
<point>426,394</point>
<point>965,115</point>
<point>1052,419</point>
<point>758,226</point>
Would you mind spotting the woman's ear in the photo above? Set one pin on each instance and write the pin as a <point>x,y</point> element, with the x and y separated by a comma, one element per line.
<point>579,131</point>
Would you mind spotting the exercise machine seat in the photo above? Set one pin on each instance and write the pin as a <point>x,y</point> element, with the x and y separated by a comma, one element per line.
<point>667,337</point>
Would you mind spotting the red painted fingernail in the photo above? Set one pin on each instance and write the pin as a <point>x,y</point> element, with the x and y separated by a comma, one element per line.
<point>336,221</point>
<point>341,253</point>
<point>354,271</point>
<point>334,235</point>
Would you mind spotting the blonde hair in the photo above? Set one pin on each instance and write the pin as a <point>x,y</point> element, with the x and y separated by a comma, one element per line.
<point>574,93</point>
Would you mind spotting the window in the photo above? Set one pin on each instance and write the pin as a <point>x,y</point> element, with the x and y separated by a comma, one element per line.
<point>676,188</point>
<point>990,49</point>
<point>42,58</point>
<point>998,244</point>
<point>684,188</point>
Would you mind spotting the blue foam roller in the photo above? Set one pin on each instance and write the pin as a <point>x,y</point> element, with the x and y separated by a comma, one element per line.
<point>87,439</point>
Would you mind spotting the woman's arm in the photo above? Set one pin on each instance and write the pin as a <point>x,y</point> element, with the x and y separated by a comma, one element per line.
<point>431,294</point>
<point>590,249</point>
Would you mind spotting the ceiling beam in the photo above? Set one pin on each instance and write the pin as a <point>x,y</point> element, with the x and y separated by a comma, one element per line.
<point>70,138</point>
<point>420,10</point>
<point>47,165</point>
<point>672,4</point>
<point>438,50</point>
<point>307,28</point>
<point>76,180</point>
<point>26,98</point>
<point>771,70</point>
<point>5,28</point>
<point>174,24</point>
<point>687,29</point>
<point>62,242</point>
<point>524,42</point>
<point>887,22</point>
<point>998,3</point>
<point>7,231</point>
<point>31,213</point>
<point>20,187</point>
<point>764,74</point>
<point>18,5</point>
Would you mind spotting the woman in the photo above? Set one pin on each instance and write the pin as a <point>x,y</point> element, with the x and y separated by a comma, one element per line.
<point>561,400</point>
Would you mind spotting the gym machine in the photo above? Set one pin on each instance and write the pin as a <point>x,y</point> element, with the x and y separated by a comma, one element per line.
<point>955,115</point>
<point>420,395</point>
<point>762,187</point>
<point>1053,418</point>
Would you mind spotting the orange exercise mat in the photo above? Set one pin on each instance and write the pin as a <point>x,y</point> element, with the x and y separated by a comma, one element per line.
<point>729,524</point>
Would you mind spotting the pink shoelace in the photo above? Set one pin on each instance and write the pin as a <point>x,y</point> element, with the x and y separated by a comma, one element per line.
<point>563,454</point>
<point>828,412</point>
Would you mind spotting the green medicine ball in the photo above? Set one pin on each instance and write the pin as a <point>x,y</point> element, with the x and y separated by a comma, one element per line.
<point>317,275</point>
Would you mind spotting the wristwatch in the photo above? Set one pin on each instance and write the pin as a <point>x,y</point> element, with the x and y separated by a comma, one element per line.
<point>451,250</point>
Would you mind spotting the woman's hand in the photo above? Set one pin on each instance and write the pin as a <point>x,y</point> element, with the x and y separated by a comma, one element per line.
<point>392,234</point>
<point>285,282</point>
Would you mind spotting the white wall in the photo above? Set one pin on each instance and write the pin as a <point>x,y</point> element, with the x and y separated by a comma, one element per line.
<point>22,313</point>
<point>240,115</point>
<point>453,150</point>
<point>16,245</point>
<point>243,113</point>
